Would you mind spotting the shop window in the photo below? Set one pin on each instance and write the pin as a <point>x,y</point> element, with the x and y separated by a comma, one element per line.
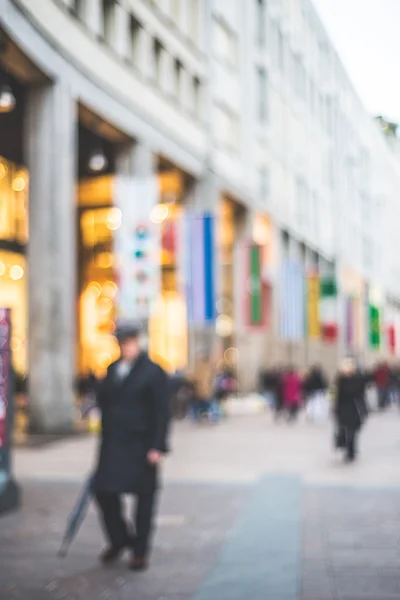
<point>13,203</point>
<point>13,237</point>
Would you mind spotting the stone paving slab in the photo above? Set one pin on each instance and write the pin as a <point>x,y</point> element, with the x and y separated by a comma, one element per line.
<point>351,544</point>
<point>185,549</point>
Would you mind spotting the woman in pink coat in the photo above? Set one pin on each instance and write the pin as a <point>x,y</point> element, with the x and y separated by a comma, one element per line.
<point>291,392</point>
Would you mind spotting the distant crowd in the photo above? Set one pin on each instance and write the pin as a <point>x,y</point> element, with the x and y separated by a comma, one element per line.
<point>199,394</point>
<point>287,390</point>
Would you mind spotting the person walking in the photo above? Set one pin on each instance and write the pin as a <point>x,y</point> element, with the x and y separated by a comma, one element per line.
<point>315,386</point>
<point>291,389</point>
<point>202,378</point>
<point>350,409</point>
<point>134,403</point>
<point>382,382</point>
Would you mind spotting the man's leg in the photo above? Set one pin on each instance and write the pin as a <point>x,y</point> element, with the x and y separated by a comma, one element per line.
<point>144,522</point>
<point>351,445</point>
<point>114,524</point>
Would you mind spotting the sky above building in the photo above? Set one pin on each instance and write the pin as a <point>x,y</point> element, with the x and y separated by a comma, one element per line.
<point>367,38</point>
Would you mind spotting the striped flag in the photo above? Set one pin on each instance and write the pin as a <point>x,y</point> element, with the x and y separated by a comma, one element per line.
<point>292,309</point>
<point>201,295</point>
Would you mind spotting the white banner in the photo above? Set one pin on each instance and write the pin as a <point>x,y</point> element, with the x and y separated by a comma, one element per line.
<point>137,247</point>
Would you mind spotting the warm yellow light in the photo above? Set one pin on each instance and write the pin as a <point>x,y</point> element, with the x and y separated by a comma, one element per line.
<point>159,213</point>
<point>18,184</point>
<point>16,272</point>
<point>2,268</point>
<point>3,170</point>
<point>105,260</point>
<point>105,305</point>
<point>95,288</point>
<point>224,326</point>
<point>114,218</point>
<point>110,289</point>
<point>231,355</point>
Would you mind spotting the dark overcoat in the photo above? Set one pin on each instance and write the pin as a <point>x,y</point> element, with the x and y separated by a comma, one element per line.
<point>135,416</point>
<point>350,401</point>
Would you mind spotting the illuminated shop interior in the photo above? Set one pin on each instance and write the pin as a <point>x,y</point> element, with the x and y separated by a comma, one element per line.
<point>99,220</point>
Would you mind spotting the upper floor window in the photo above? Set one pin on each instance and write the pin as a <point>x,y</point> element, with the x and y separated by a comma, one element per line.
<point>135,34</point>
<point>108,7</point>
<point>226,127</point>
<point>158,50</point>
<point>178,71</point>
<point>225,43</point>
<point>197,95</point>
<point>76,7</point>
<point>176,9</point>
<point>262,99</point>
<point>261,24</point>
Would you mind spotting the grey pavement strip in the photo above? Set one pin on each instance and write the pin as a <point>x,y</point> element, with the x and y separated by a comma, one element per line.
<point>261,557</point>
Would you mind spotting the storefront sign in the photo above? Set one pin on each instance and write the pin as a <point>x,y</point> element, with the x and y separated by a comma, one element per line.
<point>313,297</point>
<point>137,247</point>
<point>392,339</point>
<point>5,364</point>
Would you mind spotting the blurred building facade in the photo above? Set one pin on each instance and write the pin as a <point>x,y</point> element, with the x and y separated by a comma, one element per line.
<point>226,135</point>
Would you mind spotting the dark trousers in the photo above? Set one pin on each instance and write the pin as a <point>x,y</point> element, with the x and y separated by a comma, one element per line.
<point>293,412</point>
<point>351,444</point>
<point>117,529</point>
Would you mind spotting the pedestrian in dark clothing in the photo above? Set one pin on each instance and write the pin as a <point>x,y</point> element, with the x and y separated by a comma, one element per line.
<point>382,381</point>
<point>270,386</point>
<point>350,407</point>
<point>134,401</point>
<point>315,382</point>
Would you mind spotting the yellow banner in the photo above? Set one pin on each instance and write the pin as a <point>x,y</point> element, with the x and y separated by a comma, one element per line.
<point>313,296</point>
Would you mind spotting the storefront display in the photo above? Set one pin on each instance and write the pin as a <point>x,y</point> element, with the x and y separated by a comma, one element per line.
<point>13,238</point>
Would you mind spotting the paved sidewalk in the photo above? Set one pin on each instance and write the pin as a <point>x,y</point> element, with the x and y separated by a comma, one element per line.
<point>249,510</point>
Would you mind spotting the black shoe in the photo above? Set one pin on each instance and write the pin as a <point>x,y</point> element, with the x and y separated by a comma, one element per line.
<point>111,554</point>
<point>137,563</point>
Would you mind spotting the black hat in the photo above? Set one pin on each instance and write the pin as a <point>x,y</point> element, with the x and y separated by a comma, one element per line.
<point>127,330</point>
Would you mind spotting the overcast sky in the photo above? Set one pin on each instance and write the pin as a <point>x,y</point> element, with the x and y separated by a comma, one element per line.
<point>366,34</point>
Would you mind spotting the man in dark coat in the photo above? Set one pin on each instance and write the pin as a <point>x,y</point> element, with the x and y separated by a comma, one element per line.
<point>134,401</point>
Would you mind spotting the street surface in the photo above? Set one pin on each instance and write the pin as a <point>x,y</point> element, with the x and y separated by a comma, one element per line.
<point>250,509</point>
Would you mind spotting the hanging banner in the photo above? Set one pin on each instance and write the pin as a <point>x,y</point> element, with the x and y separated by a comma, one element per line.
<point>349,320</point>
<point>137,246</point>
<point>292,305</point>
<point>391,333</point>
<point>201,288</point>
<point>328,309</point>
<point>313,319</point>
<point>253,289</point>
<point>374,327</point>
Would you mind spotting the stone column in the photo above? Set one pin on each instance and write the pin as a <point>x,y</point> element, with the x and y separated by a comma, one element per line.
<point>51,153</point>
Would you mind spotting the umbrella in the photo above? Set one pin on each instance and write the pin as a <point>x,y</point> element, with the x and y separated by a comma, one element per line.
<point>77,516</point>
